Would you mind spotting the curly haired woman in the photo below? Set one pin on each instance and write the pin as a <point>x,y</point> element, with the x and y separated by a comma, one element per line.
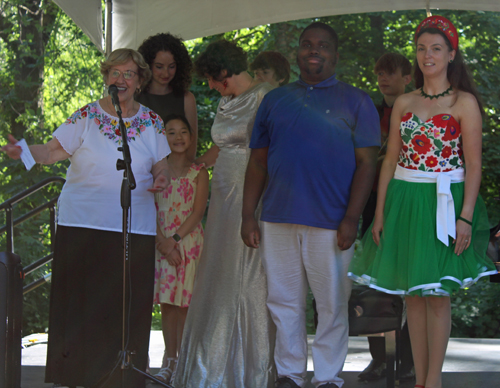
<point>168,91</point>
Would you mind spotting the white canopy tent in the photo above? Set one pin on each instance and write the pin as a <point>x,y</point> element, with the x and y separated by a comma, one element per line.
<point>132,21</point>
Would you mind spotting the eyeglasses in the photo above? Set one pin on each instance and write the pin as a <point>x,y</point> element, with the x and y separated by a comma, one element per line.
<point>128,74</point>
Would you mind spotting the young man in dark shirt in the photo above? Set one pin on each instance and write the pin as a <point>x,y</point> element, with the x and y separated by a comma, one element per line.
<point>393,75</point>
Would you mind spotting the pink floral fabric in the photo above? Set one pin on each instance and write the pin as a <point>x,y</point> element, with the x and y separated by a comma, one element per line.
<point>174,285</point>
<point>434,145</point>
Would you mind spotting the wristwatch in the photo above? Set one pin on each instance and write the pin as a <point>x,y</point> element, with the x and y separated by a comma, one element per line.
<point>177,238</point>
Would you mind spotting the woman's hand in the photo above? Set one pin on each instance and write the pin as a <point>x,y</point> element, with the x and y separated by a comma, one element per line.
<point>378,227</point>
<point>48,153</point>
<point>174,259</point>
<point>161,176</point>
<point>463,240</point>
<point>159,184</point>
<point>166,245</point>
<point>209,157</point>
<point>11,149</point>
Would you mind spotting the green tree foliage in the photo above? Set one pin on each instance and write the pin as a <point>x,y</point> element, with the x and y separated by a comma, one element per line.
<point>49,68</point>
<point>363,38</point>
<point>475,311</point>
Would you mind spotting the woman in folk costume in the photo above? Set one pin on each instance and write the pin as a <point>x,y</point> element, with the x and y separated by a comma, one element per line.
<point>430,231</point>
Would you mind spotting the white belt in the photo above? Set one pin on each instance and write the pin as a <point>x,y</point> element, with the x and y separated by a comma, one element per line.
<point>445,212</point>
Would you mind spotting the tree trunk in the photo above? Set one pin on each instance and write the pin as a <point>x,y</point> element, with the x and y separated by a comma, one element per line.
<point>25,29</point>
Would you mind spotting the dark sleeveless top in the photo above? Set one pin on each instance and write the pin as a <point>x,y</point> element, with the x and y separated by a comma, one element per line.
<point>163,105</point>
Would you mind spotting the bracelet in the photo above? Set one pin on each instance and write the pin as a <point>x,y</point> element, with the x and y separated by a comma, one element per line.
<point>464,220</point>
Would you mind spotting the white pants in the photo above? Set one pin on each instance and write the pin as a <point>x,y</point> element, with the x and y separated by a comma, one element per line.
<point>293,257</point>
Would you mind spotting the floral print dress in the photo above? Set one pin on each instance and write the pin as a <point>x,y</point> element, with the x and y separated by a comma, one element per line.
<point>174,285</point>
<point>434,145</point>
<point>410,259</point>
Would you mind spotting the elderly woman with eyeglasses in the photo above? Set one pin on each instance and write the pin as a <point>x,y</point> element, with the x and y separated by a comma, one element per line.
<point>85,321</point>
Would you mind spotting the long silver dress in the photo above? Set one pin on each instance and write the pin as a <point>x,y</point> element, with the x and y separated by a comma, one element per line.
<point>229,336</point>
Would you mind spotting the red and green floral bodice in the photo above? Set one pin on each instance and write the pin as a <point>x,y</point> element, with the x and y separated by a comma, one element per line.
<point>434,145</point>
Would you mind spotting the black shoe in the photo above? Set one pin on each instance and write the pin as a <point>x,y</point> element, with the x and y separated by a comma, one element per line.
<point>374,371</point>
<point>285,382</point>
<point>328,385</point>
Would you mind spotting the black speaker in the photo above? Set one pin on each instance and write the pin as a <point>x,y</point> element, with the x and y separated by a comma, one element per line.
<point>11,314</point>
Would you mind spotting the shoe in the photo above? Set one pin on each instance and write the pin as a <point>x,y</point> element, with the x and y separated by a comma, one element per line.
<point>407,376</point>
<point>62,386</point>
<point>328,385</point>
<point>285,382</point>
<point>374,371</point>
<point>167,371</point>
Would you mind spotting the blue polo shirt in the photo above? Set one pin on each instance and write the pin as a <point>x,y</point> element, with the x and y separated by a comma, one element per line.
<point>311,132</point>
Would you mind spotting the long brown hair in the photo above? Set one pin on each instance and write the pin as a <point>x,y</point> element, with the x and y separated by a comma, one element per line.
<point>458,72</point>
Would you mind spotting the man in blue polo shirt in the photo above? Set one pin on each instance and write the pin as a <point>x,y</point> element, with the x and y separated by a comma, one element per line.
<point>317,141</point>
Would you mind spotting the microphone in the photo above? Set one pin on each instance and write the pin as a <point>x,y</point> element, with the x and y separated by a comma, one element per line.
<point>113,92</point>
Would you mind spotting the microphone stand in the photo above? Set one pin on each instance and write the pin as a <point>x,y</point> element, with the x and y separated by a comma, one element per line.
<point>128,184</point>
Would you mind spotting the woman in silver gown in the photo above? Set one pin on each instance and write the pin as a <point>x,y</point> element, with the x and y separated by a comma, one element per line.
<point>229,336</point>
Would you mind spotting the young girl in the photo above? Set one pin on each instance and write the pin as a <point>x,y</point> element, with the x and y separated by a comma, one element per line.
<point>179,239</point>
<point>430,232</point>
<point>168,91</point>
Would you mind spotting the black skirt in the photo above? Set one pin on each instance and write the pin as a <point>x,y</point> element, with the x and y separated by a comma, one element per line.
<point>85,320</point>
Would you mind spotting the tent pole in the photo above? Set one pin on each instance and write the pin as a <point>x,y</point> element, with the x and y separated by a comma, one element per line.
<point>428,8</point>
<point>108,28</point>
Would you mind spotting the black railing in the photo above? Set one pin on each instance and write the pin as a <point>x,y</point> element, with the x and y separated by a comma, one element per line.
<point>10,223</point>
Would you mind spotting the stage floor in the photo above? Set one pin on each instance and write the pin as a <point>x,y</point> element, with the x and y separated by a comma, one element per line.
<point>470,363</point>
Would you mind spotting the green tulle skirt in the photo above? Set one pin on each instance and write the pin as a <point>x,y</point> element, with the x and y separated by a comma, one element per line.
<point>410,260</point>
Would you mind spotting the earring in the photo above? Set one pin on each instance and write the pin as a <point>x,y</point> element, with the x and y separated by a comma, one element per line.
<point>451,60</point>
<point>225,85</point>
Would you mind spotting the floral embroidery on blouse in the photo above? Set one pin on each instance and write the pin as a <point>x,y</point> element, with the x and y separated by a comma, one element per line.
<point>109,125</point>
<point>434,145</point>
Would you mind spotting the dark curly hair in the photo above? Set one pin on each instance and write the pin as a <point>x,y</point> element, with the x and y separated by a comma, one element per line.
<point>167,42</point>
<point>218,56</point>
<point>275,61</point>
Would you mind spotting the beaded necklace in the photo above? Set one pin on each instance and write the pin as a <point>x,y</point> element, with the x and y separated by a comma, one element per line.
<point>431,96</point>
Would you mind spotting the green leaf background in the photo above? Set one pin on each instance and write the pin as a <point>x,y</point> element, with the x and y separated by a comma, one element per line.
<point>49,68</point>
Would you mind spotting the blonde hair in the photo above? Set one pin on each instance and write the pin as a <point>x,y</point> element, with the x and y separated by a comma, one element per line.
<point>123,55</point>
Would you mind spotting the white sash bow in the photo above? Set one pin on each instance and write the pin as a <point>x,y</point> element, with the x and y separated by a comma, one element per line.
<point>445,212</point>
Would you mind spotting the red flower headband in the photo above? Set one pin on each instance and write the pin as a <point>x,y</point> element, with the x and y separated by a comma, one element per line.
<point>443,25</point>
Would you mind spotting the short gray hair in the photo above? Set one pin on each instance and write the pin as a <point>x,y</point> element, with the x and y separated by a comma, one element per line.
<point>123,55</point>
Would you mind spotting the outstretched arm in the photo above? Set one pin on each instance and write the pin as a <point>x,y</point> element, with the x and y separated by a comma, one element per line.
<point>255,180</point>
<point>209,157</point>
<point>161,175</point>
<point>47,153</point>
